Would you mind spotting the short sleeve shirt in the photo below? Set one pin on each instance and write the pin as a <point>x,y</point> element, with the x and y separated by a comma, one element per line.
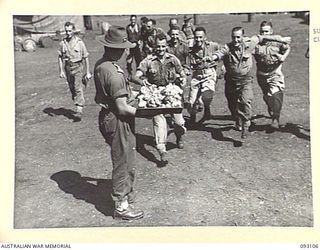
<point>188,30</point>
<point>266,55</point>
<point>181,51</point>
<point>196,56</point>
<point>161,73</point>
<point>237,61</point>
<point>110,83</point>
<point>74,50</point>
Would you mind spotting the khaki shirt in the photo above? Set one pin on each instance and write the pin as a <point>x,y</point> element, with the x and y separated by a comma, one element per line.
<point>238,61</point>
<point>181,51</point>
<point>197,55</point>
<point>73,51</point>
<point>110,84</point>
<point>266,55</point>
<point>163,72</point>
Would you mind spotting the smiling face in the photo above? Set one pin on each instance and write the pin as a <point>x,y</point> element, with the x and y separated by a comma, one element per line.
<point>161,47</point>
<point>69,31</point>
<point>174,35</point>
<point>173,22</point>
<point>237,37</point>
<point>199,37</point>
<point>149,25</point>
<point>266,30</point>
<point>133,20</point>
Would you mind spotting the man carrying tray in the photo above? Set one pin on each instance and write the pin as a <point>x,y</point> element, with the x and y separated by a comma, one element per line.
<point>162,68</point>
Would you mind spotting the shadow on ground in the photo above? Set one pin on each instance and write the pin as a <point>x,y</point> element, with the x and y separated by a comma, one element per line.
<point>68,113</point>
<point>142,141</point>
<point>82,188</point>
<point>216,132</point>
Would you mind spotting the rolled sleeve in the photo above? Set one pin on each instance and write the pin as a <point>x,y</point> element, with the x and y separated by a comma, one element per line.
<point>84,51</point>
<point>117,87</point>
<point>222,52</point>
<point>143,66</point>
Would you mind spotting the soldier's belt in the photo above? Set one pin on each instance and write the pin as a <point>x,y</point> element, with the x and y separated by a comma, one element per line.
<point>203,71</point>
<point>69,63</point>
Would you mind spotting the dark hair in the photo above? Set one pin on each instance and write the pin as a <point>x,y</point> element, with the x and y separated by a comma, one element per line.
<point>144,19</point>
<point>154,22</point>
<point>161,36</point>
<point>238,28</point>
<point>265,23</point>
<point>174,27</point>
<point>70,24</point>
<point>133,16</point>
<point>200,28</point>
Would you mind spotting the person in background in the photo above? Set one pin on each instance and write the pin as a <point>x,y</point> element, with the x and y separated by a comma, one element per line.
<point>134,36</point>
<point>188,29</point>
<point>149,38</point>
<point>117,121</point>
<point>73,65</point>
<point>173,22</point>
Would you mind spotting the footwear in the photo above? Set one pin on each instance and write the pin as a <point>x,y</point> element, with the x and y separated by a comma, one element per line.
<point>180,143</point>
<point>130,213</point>
<point>245,129</point>
<point>238,126</point>
<point>244,134</point>
<point>163,156</point>
<point>275,124</point>
<point>79,110</point>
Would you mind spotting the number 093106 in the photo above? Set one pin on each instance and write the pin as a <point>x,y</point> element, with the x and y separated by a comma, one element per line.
<point>309,246</point>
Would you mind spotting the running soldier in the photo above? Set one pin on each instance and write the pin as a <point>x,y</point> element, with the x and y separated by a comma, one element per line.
<point>270,56</point>
<point>204,75</point>
<point>162,68</point>
<point>237,59</point>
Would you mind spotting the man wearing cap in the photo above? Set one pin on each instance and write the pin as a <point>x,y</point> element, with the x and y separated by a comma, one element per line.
<point>204,75</point>
<point>116,121</point>
<point>161,69</point>
<point>188,30</point>
<point>72,59</point>
<point>134,36</point>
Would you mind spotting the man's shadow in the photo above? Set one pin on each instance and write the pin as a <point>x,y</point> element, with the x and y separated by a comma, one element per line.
<point>70,114</point>
<point>216,133</point>
<point>292,128</point>
<point>97,193</point>
<point>142,141</point>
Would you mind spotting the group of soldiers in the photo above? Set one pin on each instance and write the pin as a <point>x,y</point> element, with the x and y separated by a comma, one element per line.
<point>178,57</point>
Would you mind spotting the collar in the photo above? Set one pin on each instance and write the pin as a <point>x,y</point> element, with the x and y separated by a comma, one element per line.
<point>166,56</point>
<point>119,70</point>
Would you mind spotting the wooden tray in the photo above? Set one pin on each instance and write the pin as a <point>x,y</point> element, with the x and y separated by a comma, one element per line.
<point>142,112</point>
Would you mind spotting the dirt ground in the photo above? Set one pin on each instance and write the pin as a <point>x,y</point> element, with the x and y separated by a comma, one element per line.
<point>63,167</point>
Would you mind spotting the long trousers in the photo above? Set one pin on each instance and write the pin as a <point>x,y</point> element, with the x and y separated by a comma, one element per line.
<point>272,88</point>
<point>118,133</point>
<point>161,131</point>
<point>239,95</point>
<point>74,74</point>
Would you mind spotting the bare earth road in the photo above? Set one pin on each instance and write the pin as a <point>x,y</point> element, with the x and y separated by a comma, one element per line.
<point>63,167</point>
